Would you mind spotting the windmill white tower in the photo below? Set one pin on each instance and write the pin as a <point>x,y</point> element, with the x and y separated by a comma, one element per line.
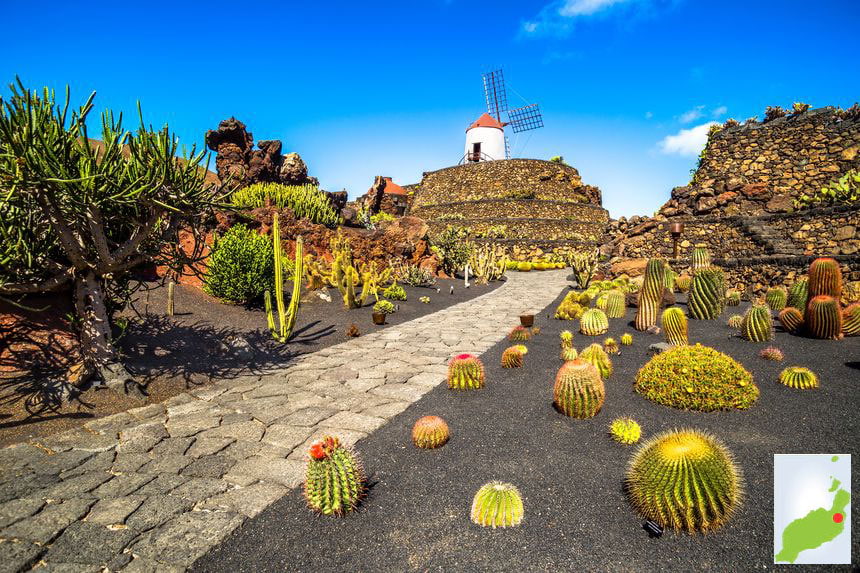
<point>485,138</point>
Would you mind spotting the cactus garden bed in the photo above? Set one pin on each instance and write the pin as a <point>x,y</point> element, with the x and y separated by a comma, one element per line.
<point>569,471</point>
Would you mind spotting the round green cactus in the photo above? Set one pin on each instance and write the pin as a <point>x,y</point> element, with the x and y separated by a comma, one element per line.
<point>593,322</point>
<point>799,377</point>
<point>733,297</point>
<point>776,298</point>
<point>519,334</point>
<point>512,358</point>
<point>757,325</point>
<point>524,266</point>
<point>791,319</point>
<point>566,338</point>
<point>772,353</point>
<point>824,317</point>
<point>465,372</point>
<point>568,354</point>
<point>707,294</point>
<point>597,356</point>
<point>610,345</point>
<point>825,278</point>
<point>851,320</point>
<point>616,304</point>
<point>334,482</point>
<point>497,504</point>
<point>579,390</point>
<point>686,480</point>
<point>798,294</point>
<point>736,321</point>
<point>651,294</point>
<point>626,339</point>
<point>600,301</point>
<point>683,282</point>
<point>701,258</point>
<point>675,326</point>
<point>430,432</point>
<point>625,430</point>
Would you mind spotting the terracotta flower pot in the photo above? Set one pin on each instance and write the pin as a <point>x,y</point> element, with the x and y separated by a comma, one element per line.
<point>379,318</point>
<point>527,320</point>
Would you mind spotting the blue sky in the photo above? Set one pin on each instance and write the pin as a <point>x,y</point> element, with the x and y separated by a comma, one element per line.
<point>388,88</point>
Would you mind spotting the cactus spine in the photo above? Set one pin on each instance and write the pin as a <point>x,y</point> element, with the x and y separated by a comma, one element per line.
<point>593,322</point>
<point>334,481</point>
<point>825,278</point>
<point>791,319</point>
<point>798,295</point>
<point>757,325</point>
<point>701,258</point>
<point>610,346</point>
<point>512,358</point>
<point>824,317</point>
<point>430,432</point>
<point>675,326</point>
<point>286,316</point>
<point>851,320</point>
<point>465,372</point>
<point>625,430</point>
<point>497,504</point>
<point>615,304</point>
<point>707,294</point>
<point>799,378</point>
<point>776,298</point>
<point>651,294</point>
<point>171,288</point>
<point>578,390</point>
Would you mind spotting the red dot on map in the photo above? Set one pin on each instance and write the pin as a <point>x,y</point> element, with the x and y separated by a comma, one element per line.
<point>838,517</point>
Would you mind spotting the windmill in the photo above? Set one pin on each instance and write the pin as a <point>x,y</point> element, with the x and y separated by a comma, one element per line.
<point>485,138</point>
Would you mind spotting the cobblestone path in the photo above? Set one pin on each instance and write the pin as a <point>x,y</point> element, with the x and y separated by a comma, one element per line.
<point>153,488</point>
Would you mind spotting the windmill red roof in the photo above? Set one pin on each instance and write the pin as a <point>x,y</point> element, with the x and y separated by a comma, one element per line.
<point>393,188</point>
<point>486,120</point>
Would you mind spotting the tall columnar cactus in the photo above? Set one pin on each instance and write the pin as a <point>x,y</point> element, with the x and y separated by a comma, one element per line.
<point>579,390</point>
<point>757,325</point>
<point>593,322</point>
<point>335,481</point>
<point>798,295</point>
<point>675,326</point>
<point>465,372</point>
<point>776,298</point>
<point>824,317</point>
<point>708,294</point>
<point>430,432</point>
<point>825,278</point>
<point>791,319</point>
<point>512,358</point>
<point>669,277</point>
<point>497,504</point>
<point>171,298</point>
<point>686,480</point>
<point>616,304</point>
<point>701,258</point>
<point>798,377</point>
<point>598,357</point>
<point>286,316</point>
<point>851,320</point>
<point>733,297</point>
<point>650,295</point>
<point>626,339</point>
<point>625,430</point>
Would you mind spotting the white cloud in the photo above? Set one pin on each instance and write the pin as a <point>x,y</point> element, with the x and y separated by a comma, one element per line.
<point>719,111</point>
<point>688,142</point>
<point>556,18</point>
<point>649,114</point>
<point>692,115</point>
<point>571,8</point>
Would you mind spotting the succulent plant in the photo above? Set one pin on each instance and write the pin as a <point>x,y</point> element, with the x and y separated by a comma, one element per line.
<point>651,294</point>
<point>675,326</point>
<point>825,278</point>
<point>600,301</point>
<point>334,481</point>
<point>384,306</point>
<point>625,430</point>
<point>569,308</point>
<point>772,353</point>
<point>593,322</point>
<point>791,319</point>
<point>512,358</point>
<point>394,292</point>
<point>568,354</point>
<point>465,372</point>
<point>707,294</point>
<point>519,334</point>
<point>524,266</point>
<point>824,317</point>
<point>736,321</point>
<point>616,305</point>
<point>626,339</point>
<point>535,330</point>
<point>799,377</point>
<point>424,299</point>
<point>579,390</point>
<point>733,297</point>
<point>283,330</point>
<point>798,295</point>
<point>701,258</point>
<point>430,432</point>
<point>851,320</point>
<point>497,504</point>
<point>610,345</point>
<point>522,348</point>
<point>598,357</point>
<point>776,298</point>
<point>696,377</point>
<point>757,325</point>
<point>686,480</point>
<point>669,277</point>
<point>566,338</point>
<point>683,282</point>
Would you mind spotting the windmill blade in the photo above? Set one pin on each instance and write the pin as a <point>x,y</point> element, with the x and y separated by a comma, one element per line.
<point>494,93</point>
<point>525,118</point>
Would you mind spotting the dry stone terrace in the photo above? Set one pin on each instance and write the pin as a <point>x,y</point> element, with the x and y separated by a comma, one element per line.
<point>152,489</point>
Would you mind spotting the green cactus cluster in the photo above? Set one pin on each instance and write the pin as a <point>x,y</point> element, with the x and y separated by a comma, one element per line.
<point>597,357</point>
<point>570,308</point>
<point>625,430</point>
<point>696,377</point>
<point>334,481</point>
<point>616,304</point>
<point>707,294</point>
<point>776,298</point>
<point>497,504</point>
<point>394,292</point>
<point>519,334</point>
<point>305,201</point>
<point>851,320</point>
<point>579,390</point>
<point>733,297</point>
<point>791,319</point>
<point>757,325</point>
<point>772,353</point>
<point>736,321</point>
<point>799,378</point>
<point>512,358</point>
<point>651,294</point>
<point>593,322</point>
<point>283,330</point>
<point>610,346</point>
<point>685,480</point>
<point>675,326</point>
<point>465,372</point>
<point>430,432</point>
<point>798,295</point>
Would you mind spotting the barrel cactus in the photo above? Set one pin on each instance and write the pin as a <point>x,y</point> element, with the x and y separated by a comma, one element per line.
<point>430,432</point>
<point>625,430</point>
<point>799,377</point>
<point>736,321</point>
<point>593,322</point>
<point>686,480</point>
<point>600,301</point>
<point>825,278</point>
<point>651,294</point>
<point>568,354</point>
<point>497,504</point>
<point>610,345</point>
<point>701,258</point>
<point>566,338</point>
<point>851,320</point>
<point>334,482</point>
<point>757,325</point>
<point>683,282</point>
<point>707,294</point>
<point>824,317</point>
<point>772,353</point>
<point>512,358</point>
<point>597,356</point>
<point>675,326</point>
<point>616,304</point>
<point>626,339</point>
<point>465,372</point>
<point>524,266</point>
<point>791,319</point>
<point>579,390</point>
<point>776,298</point>
<point>522,348</point>
<point>733,297</point>
<point>519,334</point>
<point>669,277</point>
<point>798,294</point>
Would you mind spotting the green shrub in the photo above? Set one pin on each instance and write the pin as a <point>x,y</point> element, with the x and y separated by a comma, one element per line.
<point>452,248</point>
<point>384,306</point>
<point>241,266</point>
<point>394,292</point>
<point>306,201</point>
<point>380,217</point>
<point>845,190</point>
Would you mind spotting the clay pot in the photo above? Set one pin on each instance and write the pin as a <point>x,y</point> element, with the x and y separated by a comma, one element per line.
<point>379,318</point>
<point>527,320</point>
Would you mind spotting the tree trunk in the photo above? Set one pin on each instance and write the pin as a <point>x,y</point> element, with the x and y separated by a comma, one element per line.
<point>96,348</point>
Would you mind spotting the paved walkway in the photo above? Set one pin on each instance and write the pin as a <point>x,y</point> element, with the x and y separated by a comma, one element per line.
<point>154,488</point>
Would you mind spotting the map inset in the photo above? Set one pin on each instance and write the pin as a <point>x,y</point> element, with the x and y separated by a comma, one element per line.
<point>812,508</point>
